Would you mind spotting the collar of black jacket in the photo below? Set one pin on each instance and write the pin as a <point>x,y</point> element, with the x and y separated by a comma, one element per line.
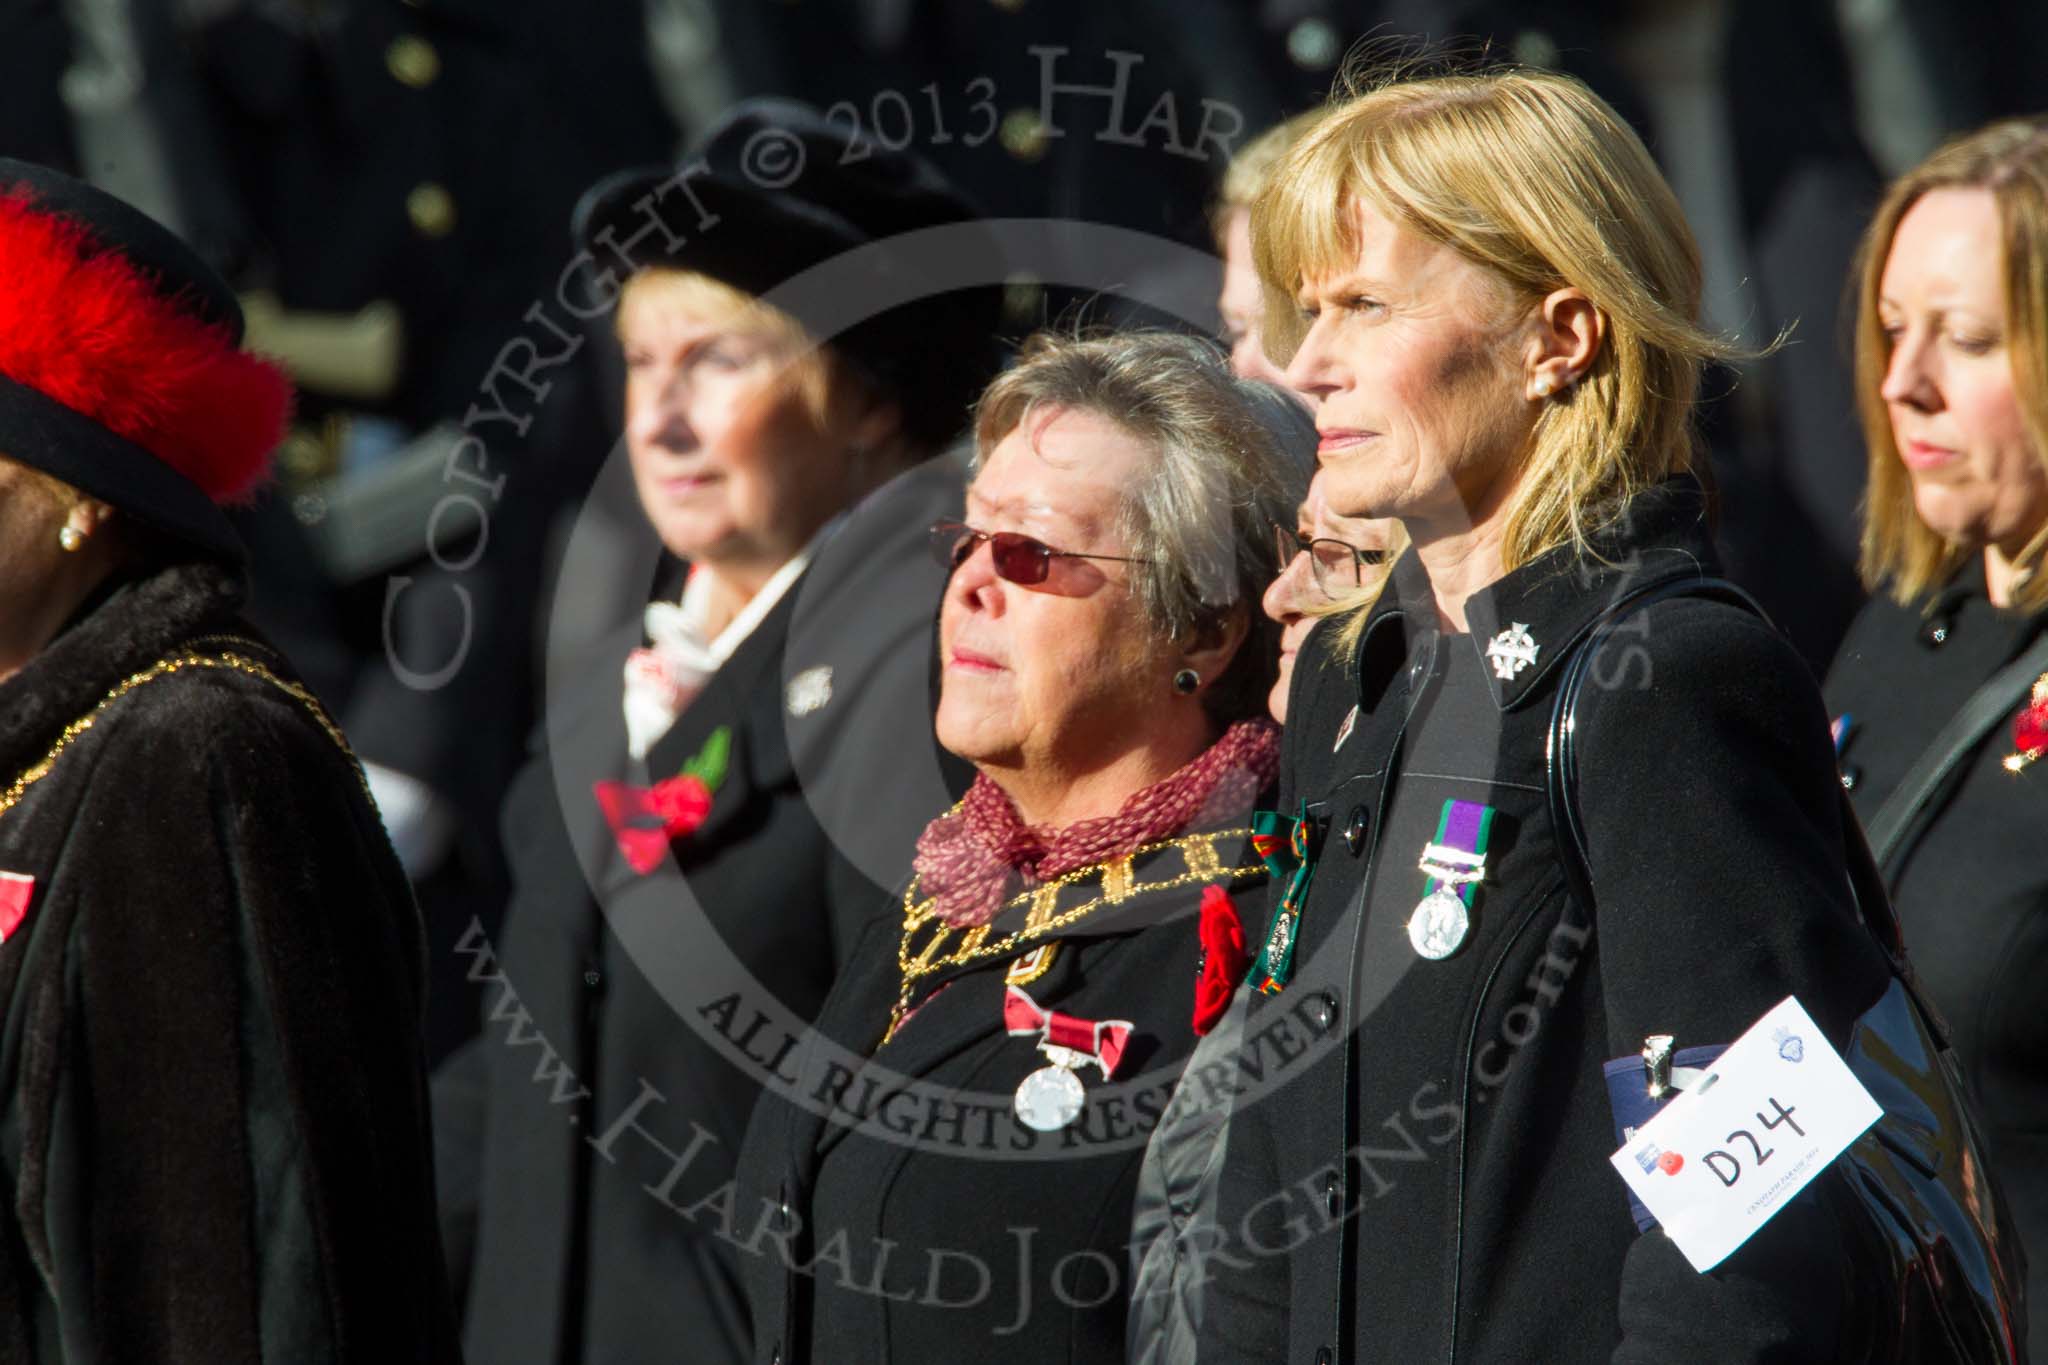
<point>1524,622</point>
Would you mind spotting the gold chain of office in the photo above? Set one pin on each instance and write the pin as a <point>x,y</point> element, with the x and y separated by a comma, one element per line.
<point>164,668</point>
<point>923,949</point>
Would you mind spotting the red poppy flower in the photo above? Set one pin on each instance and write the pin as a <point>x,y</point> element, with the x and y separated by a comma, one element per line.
<point>1225,958</point>
<point>644,819</point>
<point>2030,729</point>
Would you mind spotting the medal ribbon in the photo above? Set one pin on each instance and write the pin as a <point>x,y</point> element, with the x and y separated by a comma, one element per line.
<point>1462,827</point>
<point>1281,841</point>
<point>1100,1041</point>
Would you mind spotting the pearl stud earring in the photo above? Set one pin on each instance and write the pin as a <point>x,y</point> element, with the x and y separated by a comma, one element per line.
<point>71,538</point>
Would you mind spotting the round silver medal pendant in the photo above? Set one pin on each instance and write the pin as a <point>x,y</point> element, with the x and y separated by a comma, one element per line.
<point>1439,925</point>
<point>1049,1099</point>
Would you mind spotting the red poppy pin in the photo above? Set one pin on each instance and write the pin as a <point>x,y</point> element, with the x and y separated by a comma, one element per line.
<point>645,819</point>
<point>2030,729</point>
<point>1225,959</point>
<point>16,889</point>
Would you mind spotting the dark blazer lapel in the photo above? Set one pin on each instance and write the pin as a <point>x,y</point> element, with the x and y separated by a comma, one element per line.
<point>584,737</point>
<point>957,1018</point>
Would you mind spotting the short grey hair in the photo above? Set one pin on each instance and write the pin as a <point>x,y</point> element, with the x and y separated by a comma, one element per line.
<point>1233,459</point>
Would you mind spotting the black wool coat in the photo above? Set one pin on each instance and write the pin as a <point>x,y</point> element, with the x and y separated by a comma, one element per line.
<point>215,1135</point>
<point>890,1205</point>
<point>631,1020</point>
<point>1417,1160</point>
<point>1969,882</point>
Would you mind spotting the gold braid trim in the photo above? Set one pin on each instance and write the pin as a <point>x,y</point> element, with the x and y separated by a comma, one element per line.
<point>925,949</point>
<point>161,669</point>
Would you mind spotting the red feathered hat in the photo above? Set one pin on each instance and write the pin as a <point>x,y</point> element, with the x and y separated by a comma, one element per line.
<point>121,368</point>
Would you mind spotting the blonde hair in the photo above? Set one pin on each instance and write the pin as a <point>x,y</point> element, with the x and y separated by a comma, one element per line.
<point>2009,160</point>
<point>813,372</point>
<point>1226,466</point>
<point>1532,177</point>
<point>1244,180</point>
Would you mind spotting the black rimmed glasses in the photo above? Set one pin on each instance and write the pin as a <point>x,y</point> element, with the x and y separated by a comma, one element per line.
<point>1336,565</point>
<point>1018,558</point>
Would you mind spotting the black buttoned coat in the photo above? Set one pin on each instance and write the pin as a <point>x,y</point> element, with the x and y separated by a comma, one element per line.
<point>1417,1162</point>
<point>890,1205</point>
<point>1969,881</point>
<point>631,1019</point>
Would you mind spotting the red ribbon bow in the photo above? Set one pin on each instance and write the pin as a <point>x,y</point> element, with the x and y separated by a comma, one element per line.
<point>1225,957</point>
<point>644,819</point>
<point>1100,1041</point>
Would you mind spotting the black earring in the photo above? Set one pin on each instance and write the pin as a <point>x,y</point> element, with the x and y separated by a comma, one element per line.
<point>1186,681</point>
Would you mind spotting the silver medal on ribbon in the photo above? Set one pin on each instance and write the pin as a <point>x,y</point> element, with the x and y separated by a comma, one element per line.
<point>1050,1098</point>
<point>1442,922</point>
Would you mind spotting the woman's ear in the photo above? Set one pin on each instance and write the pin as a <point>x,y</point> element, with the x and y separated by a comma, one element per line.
<point>878,426</point>
<point>1566,334</point>
<point>1213,643</point>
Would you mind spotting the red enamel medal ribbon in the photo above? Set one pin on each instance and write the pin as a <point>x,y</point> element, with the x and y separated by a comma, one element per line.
<point>1100,1041</point>
<point>1051,1097</point>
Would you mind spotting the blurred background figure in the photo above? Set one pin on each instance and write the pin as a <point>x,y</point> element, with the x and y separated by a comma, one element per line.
<point>1242,302</point>
<point>1940,693</point>
<point>681,838</point>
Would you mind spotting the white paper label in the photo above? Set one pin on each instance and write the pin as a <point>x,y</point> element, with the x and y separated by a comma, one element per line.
<point>1721,1159</point>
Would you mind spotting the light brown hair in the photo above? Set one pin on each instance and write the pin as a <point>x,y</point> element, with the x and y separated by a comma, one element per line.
<point>2009,160</point>
<point>1244,180</point>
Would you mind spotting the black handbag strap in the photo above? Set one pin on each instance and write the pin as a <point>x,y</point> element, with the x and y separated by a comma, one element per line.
<point>1988,705</point>
<point>1873,903</point>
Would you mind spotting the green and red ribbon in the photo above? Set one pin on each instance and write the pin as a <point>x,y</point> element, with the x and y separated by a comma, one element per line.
<point>1282,843</point>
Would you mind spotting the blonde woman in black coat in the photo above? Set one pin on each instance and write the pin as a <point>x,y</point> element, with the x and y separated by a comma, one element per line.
<point>1495,315</point>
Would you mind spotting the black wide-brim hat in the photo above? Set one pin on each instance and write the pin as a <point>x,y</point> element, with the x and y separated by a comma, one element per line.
<point>777,202</point>
<point>121,368</point>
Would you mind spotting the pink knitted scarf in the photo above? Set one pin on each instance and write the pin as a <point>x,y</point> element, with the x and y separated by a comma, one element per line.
<point>969,858</point>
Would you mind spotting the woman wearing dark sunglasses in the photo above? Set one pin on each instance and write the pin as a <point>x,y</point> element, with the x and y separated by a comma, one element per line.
<point>972,1108</point>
